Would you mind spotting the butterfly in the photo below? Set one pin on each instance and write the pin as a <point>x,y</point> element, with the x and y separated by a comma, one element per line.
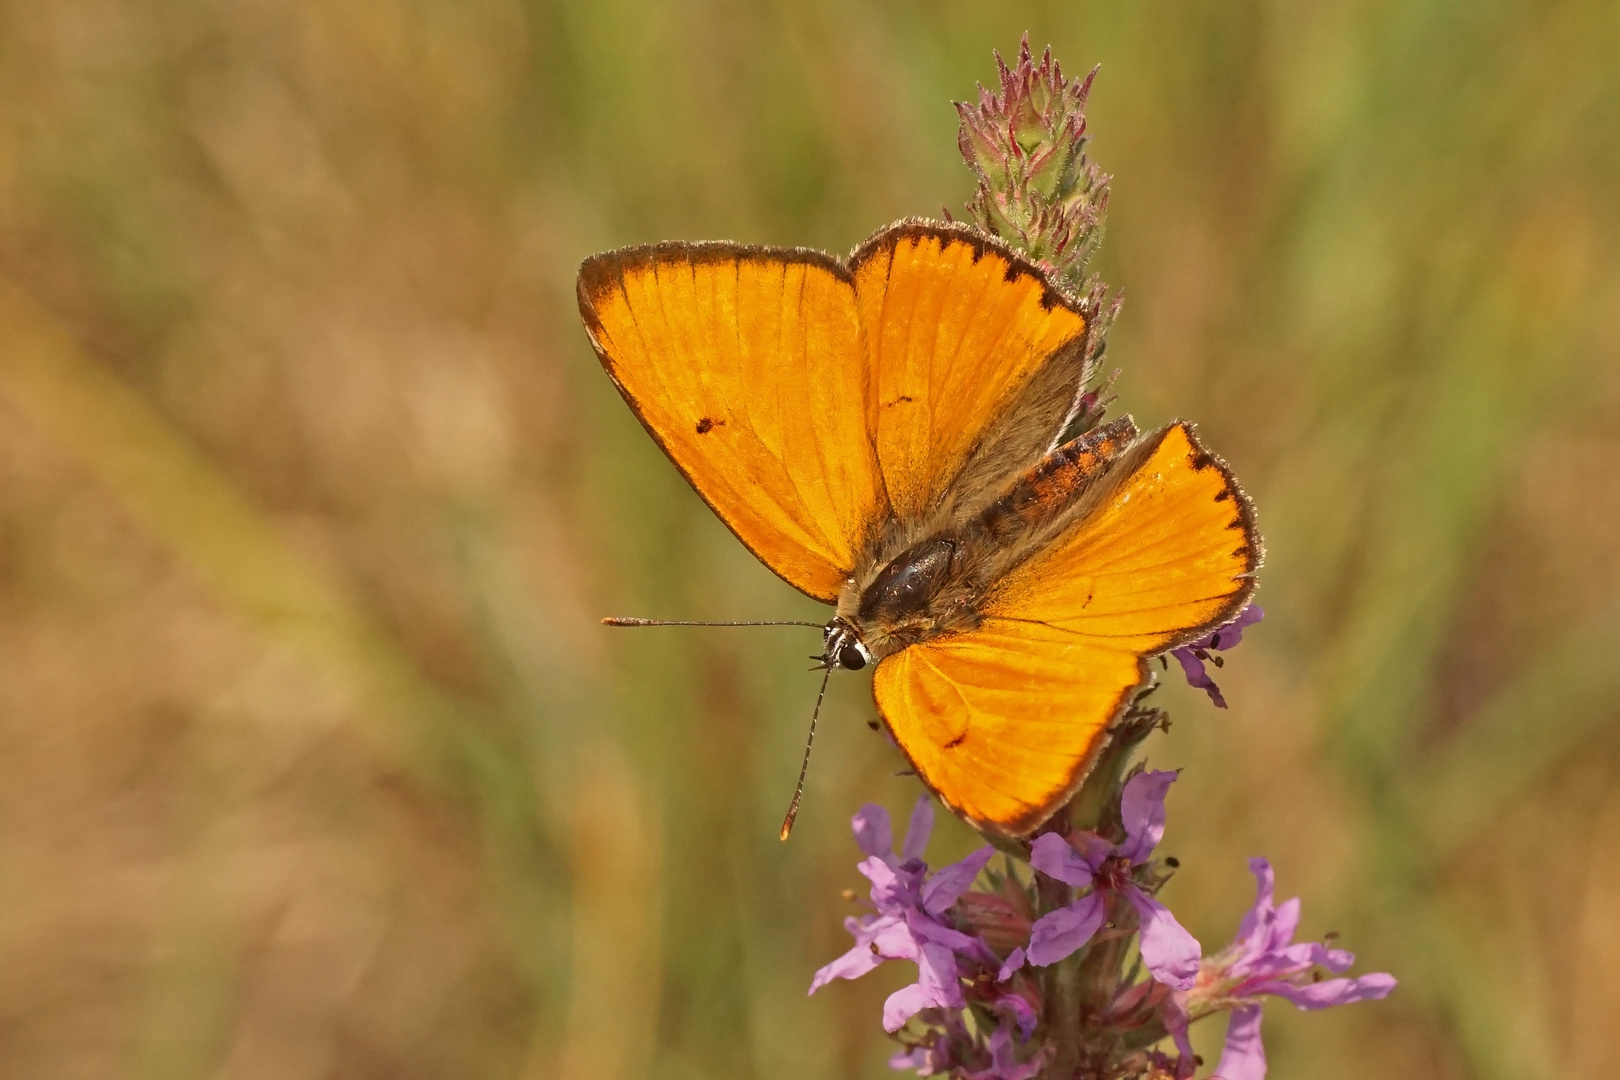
<point>888,433</point>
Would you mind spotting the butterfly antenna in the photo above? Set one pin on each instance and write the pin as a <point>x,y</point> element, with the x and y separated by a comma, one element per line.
<point>804,766</point>
<point>616,621</point>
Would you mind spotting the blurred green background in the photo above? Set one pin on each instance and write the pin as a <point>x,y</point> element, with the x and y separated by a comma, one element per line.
<point>314,761</point>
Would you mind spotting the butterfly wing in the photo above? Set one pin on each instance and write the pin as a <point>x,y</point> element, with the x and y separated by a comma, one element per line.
<point>956,327</point>
<point>1164,552</point>
<point>747,366</point>
<point>1004,721</point>
<point>807,401</point>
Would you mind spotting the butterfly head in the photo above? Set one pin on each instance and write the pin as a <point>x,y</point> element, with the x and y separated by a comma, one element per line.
<point>842,646</point>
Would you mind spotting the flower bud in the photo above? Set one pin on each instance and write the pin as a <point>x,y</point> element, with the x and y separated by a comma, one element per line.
<point>1026,145</point>
<point>1002,920</point>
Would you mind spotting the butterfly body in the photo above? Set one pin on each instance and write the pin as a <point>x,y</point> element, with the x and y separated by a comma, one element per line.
<point>880,432</point>
<point>938,585</point>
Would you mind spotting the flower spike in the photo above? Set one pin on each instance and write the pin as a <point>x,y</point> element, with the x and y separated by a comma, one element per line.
<point>1025,144</point>
<point>1063,962</point>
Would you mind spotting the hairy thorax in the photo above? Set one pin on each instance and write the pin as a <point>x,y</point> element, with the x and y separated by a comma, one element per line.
<point>926,590</point>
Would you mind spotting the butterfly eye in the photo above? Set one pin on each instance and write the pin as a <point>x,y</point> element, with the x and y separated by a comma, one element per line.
<point>851,657</point>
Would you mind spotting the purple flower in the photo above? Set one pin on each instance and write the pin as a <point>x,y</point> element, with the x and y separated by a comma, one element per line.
<point>1004,1063</point>
<point>1169,952</point>
<point>941,1050</point>
<point>930,1059</point>
<point>1264,959</point>
<point>906,924</point>
<point>1193,654</point>
<point>954,1049</point>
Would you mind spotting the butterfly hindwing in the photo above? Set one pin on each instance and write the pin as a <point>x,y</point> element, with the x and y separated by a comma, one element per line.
<point>1164,551</point>
<point>1002,721</point>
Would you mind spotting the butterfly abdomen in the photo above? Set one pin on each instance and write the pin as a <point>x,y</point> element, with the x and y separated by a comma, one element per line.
<point>1038,501</point>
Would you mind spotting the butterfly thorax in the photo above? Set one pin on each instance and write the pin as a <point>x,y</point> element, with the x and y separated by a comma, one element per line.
<point>925,591</point>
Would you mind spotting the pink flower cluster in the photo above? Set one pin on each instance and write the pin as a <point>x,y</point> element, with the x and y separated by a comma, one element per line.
<point>982,1006</point>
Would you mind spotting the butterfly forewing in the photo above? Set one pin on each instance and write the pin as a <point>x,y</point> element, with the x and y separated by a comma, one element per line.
<point>747,366</point>
<point>813,405</point>
<point>956,326</point>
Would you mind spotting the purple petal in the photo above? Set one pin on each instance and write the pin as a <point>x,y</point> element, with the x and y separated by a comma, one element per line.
<point>1265,881</point>
<point>873,834</point>
<point>1193,668</point>
<point>1060,933</point>
<point>1283,926</point>
<point>1023,1014</point>
<point>936,970</point>
<point>1001,1046</point>
<point>1169,952</point>
<point>917,832</point>
<point>1192,665</point>
<point>892,940</point>
<point>952,881</point>
<point>915,1058</point>
<point>937,986</point>
<point>1004,1063</point>
<point>1312,954</point>
<point>923,927</point>
<point>1141,808</point>
<point>1244,1057</point>
<point>863,928</point>
<point>1231,634</point>
<point>1335,960</point>
<point>890,891</point>
<point>1052,856</point>
<point>1332,992</point>
<point>874,869</point>
<point>903,1004</point>
<point>1093,850</point>
<point>852,965</point>
<point>1014,961</point>
<point>1175,1022</point>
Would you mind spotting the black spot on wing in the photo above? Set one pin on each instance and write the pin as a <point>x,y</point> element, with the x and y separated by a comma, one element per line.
<point>708,424</point>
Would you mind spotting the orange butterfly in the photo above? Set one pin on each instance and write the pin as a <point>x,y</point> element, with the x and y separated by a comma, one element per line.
<point>882,433</point>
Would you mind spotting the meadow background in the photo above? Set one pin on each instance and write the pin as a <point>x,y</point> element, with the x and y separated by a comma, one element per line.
<point>314,761</point>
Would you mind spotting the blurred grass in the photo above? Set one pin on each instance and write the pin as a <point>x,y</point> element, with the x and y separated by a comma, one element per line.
<point>315,760</point>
